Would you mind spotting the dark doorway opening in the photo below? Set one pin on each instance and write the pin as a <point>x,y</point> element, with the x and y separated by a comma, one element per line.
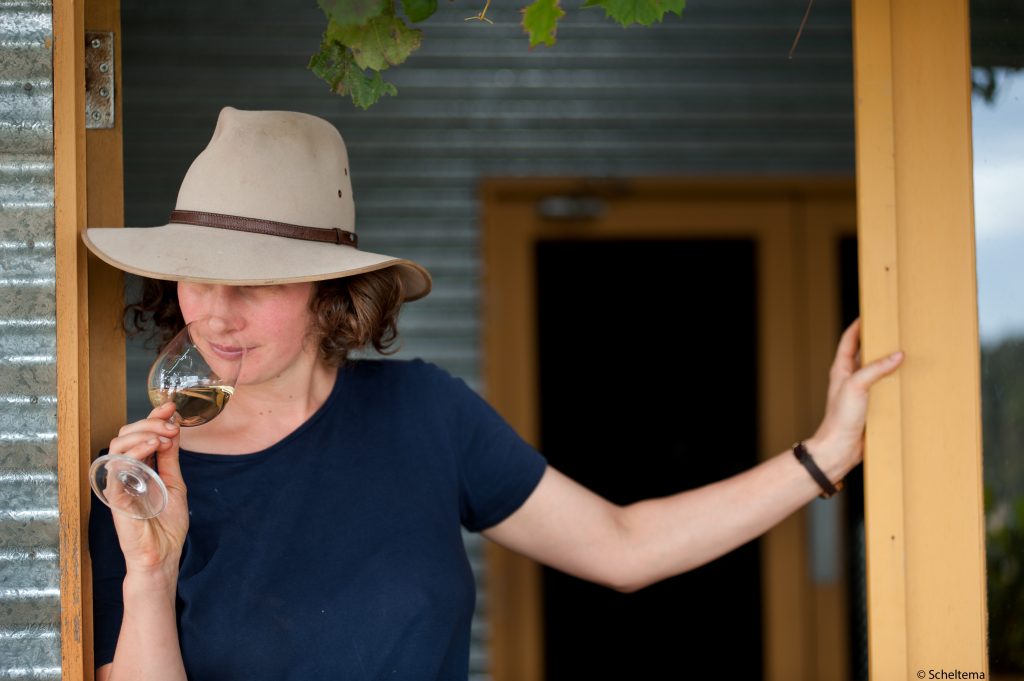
<point>648,381</point>
<point>857,589</point>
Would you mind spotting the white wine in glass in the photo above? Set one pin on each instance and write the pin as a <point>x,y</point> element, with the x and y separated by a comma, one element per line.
<point>195,406</point>
<point>196,370</point>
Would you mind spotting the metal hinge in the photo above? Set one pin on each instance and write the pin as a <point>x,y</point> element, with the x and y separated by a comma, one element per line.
<point>99,79</point>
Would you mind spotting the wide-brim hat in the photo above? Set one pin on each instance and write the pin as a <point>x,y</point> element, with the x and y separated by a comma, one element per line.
<point>268,201</point>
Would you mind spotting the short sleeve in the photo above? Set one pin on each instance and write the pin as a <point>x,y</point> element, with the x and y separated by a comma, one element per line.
<point>498,470</point>
<point>108,572</point>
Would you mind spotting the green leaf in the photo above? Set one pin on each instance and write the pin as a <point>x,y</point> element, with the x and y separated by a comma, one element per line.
<point>353,12</point>
<point>540,21</point>
<point>328,61</point>
<point>335,64</point>
<point>384,41</point>
<point>643,12</point>
<point>674,6</point>
<point>365,90</point>
<point>418,10</point>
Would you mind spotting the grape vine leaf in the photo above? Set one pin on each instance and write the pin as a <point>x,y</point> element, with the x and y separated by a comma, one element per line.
<point>540,21</point>
<point>383,41</point>
<point>353,12</point>
<point>367,35</point>
<point>335,64</point>
<point>643,12</point>
<point>418,10</point>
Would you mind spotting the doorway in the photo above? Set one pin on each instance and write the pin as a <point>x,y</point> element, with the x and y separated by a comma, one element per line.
<point>748,271</point>
<point>631,408</point>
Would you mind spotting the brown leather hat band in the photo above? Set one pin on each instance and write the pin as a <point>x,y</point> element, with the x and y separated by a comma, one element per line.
<point>257,226</point>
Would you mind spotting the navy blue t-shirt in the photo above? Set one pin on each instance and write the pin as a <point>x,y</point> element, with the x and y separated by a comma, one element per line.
<point>336,553</point>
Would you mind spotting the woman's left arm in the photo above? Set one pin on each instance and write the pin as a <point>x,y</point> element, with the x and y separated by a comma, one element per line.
<point>568,527</point>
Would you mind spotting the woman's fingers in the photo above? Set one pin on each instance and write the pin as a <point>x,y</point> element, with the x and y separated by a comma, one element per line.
<point>157,434</point>
<point>169,467</point>
<point>154,542</point>
<point>846,361</point>
<point>847,398</point>
<point>161,413</point>
<point>164,411</point>
<point>159,420</point>
<point>864,378</point>
<point>140,444</point>
<point>155,426</point>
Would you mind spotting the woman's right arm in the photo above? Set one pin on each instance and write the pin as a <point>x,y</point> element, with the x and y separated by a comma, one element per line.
<point>147,647</point>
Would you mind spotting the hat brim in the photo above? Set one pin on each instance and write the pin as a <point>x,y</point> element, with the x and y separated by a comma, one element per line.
<point>179,252</point>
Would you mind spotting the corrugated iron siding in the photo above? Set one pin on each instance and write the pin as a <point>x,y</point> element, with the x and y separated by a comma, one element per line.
<point>29,575</point>
<point>712,93</point>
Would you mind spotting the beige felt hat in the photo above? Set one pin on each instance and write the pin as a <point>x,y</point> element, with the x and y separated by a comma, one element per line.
<point>269,201</point>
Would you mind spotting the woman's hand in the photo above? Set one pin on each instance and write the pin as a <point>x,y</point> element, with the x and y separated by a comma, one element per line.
<point>838,444</point>
<point>152,548</point>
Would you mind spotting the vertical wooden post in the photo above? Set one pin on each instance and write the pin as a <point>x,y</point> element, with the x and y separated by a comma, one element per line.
<point>105,172</point>
<point>923,474</point>
<point>72,325</point>
<point>88,191</point>
<point>106,356</point>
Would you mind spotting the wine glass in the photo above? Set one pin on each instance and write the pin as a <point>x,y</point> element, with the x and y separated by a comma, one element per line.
<point>197,371</point>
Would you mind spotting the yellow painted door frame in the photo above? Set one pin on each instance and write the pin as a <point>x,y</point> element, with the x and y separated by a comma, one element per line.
<point>804,626</point>
<point>927,605</point>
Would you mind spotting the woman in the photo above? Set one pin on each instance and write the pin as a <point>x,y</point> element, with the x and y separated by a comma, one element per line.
<point>313,529</point>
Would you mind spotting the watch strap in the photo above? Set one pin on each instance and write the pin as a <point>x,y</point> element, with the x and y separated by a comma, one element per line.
<point>804,457</point>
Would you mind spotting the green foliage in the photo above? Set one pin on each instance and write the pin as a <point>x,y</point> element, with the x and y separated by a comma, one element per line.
<point>335,64</point>
<point>368,35</point>
<point>352,12</point>
<point>381,42</point>
<point>643,12</point>
<point>1002,397</point>
<point>361,35</point>
<point>1005,561</point>
<point>418,10</point>
<point>540,21</point>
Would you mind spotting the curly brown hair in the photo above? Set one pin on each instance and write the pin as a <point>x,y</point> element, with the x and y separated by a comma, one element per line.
<point>349,313</point>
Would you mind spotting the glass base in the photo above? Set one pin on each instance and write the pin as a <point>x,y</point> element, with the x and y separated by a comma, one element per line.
<point>128,486</point>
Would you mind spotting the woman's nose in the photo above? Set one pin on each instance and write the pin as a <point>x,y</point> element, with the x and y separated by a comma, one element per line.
<point>222,306</point>
<point>219,325</point>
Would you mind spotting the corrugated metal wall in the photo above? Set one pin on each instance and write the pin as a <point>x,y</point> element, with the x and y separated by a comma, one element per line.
<point>29,576</point>
<point>712,93</point>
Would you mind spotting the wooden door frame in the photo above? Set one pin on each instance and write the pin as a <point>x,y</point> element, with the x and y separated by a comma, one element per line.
<point>88,191</point>
<point>72,308</point>
<point>927,604</point>
<point>757,208</point>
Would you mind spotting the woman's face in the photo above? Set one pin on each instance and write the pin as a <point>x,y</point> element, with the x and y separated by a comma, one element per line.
<point>272,322</point>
